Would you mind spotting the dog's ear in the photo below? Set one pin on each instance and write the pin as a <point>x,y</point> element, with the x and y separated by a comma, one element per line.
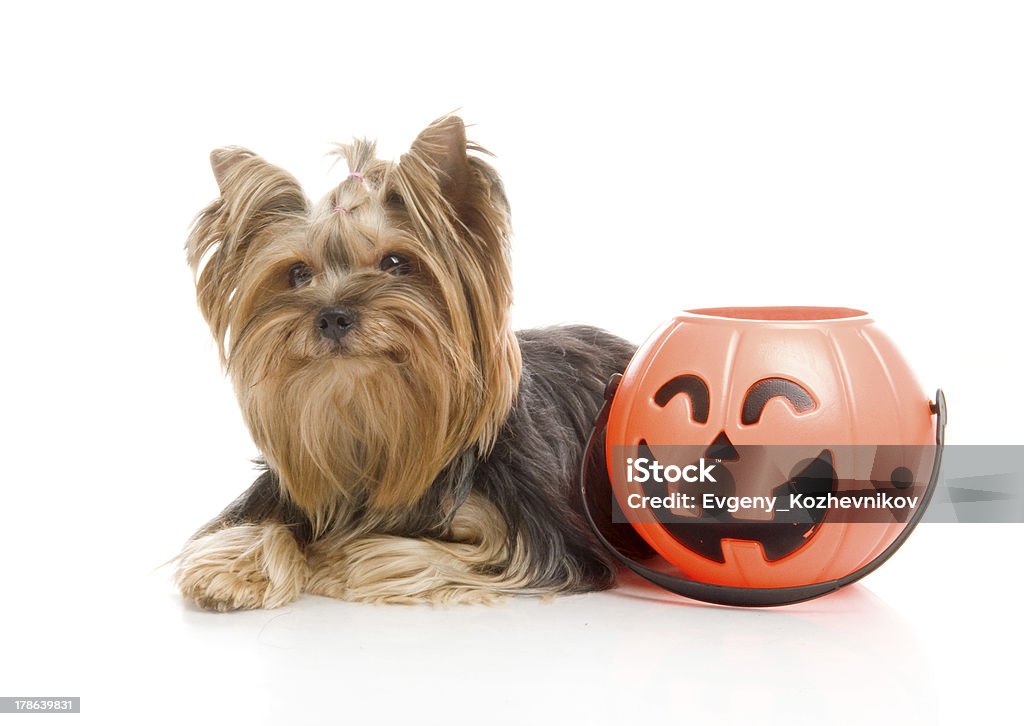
<point>442,145</point>
<point>456,201</point>
<point>257,201</point>
<point>441,158</point>
<point>223,160</point>
<point>239,170</point>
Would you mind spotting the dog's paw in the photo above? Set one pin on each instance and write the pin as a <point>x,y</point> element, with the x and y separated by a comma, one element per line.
<point>242,567</point>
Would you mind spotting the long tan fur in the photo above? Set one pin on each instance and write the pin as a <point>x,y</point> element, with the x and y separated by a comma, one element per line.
<point>434,365</point>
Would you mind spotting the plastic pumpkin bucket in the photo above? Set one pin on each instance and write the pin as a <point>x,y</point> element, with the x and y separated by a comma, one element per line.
<point>829,398</point>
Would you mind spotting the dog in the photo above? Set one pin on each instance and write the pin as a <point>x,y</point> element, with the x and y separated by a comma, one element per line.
<point>415,448</point>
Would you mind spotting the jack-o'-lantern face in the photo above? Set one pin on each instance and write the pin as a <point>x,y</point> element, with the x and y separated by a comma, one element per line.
<point>814,477</point>
<point>779,406</point>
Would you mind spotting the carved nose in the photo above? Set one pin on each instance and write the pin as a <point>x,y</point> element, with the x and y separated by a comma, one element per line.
<point>335,323</point>
<point>722,449</point>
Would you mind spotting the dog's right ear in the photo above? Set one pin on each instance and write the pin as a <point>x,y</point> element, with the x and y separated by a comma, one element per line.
<point>234,167</point>
<point>223,160</point>
<point>257,202</point>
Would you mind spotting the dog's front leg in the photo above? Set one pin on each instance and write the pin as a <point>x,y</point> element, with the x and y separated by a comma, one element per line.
<point>250,556</point>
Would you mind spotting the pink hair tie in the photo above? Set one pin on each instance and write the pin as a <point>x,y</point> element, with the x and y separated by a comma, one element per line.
<point>356,175</point>
<point>344,210</point>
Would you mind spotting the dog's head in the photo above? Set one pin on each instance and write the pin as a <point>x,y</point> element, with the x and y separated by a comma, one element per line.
<point>367,335</point>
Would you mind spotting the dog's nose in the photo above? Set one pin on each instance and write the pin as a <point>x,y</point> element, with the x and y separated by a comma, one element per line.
<point>335,323</point>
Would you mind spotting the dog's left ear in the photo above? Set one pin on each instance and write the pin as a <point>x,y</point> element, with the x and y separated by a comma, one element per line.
<point>442,146</point>
<point>470,186</point>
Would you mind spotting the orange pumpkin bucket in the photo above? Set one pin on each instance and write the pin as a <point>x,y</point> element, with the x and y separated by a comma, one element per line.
<point>729,422</point>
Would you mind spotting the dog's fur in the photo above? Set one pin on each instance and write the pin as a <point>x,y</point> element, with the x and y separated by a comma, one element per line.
<point>425,453</point>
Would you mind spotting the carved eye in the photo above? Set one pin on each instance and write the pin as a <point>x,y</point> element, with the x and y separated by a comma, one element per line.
<point>299,275</point>
<point>768,388</point>
<point>395,264</point>
<point>694,388</point>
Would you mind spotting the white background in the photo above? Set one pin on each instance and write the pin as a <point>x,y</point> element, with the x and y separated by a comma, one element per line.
<point>657,157</point>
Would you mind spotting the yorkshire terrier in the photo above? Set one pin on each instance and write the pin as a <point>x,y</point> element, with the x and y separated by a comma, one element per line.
<point>415,447</point>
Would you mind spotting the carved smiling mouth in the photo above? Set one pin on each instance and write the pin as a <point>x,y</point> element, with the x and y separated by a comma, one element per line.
<point>782,535</point>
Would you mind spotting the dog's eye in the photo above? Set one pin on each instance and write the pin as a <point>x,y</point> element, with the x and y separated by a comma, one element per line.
<point>394,199</point>
<point>299,274</point>
<point>395,264</point>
